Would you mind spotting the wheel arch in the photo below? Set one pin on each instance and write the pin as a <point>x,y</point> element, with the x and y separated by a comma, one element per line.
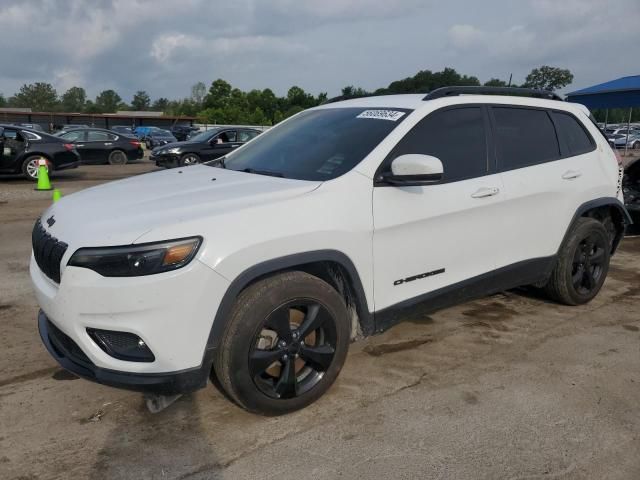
<point>26,155</point>
<point>332,266</point>
<point>599,209</point>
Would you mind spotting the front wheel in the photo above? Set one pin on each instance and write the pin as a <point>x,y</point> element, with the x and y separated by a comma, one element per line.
<point>117,157</point>
<point>582,264</point>
<point>285,343</point>
<point>189,159</point>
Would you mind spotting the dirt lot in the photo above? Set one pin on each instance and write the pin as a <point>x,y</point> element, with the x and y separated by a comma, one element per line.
<point>510,386</point>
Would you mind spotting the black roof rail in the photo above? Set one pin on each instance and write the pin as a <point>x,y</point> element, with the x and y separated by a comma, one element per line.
<point>478,90</point>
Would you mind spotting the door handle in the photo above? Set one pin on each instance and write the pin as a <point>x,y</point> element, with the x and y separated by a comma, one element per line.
<point>234,146</point>
<point>571,174</point>
<point>79,144</point>
<point>107,144</point>
<point>485,192</point>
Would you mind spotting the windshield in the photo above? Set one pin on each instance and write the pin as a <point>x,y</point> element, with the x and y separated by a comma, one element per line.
<point>204,136</point>
<point>317,145</point>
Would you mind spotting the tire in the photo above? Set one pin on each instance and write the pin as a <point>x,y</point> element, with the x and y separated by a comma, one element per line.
<point>189,159</point>
<point>117,157</point>
<point>636,146</point>
<point>30,166</point>
<point>582,264</point>
<point>285,344</point>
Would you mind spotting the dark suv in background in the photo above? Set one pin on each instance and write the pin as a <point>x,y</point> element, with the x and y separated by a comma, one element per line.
<point>205,146</point>
<point>183,132</point>
<point>21,149</point>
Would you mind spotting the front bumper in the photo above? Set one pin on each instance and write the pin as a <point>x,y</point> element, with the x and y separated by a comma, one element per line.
<point>168,160</point>
<point>172,312</point>
<point>72,358</point>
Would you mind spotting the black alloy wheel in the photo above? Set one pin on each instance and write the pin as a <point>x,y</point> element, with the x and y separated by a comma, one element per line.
<point>294,348</point>
<point>588,262</point>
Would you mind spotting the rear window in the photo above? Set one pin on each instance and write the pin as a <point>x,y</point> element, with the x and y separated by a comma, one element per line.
<point>524,137</point>
<point>574,136</point>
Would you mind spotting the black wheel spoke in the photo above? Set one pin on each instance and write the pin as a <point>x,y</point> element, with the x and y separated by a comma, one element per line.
<point>320,357</point>
<point>597,256</point>
<point>314,319</point>
<point>279,321</point>
<point>588,281</point>
<point>577,277</point>
<point>260,360</point>
<point>287,385</point>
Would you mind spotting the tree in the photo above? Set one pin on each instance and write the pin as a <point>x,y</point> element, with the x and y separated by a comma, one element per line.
<point>74,99</point>
<point>141,101</point>
<point>108,101</point>
<point>160,105</point>
<point>39,96</point>
<point>3,101</point>
<point>219,94</point>
<point>548,78</point>
<point>495,82</point>
<point>198,93</point>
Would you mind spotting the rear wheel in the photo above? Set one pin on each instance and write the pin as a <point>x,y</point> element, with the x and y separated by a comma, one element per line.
<point>117,157</point>
<point>285,344</point>
<point>189,159</point>
<point>30,166</point>
<point>582,264</point>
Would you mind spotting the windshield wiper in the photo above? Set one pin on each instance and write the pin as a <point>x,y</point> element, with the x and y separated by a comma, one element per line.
<point>263,172</point>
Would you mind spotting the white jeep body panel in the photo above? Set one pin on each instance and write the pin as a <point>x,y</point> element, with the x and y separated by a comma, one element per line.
<point>387,232</point>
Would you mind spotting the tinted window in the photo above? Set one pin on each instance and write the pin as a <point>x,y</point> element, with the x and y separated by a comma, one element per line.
<point>73,136</point>
<point>524,137</point>
<point>94,136</point>
<point>246,135</point>
<point>317,144</point>
<point>456,136</point>
<point>574,136</point>
<point>227,137</point>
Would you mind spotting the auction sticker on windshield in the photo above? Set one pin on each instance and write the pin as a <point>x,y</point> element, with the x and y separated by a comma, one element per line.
<point>392,115</point>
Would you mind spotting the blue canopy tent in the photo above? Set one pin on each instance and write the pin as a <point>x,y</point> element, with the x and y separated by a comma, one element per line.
<point>620,93</point>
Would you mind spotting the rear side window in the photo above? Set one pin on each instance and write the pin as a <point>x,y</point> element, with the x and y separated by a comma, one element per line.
<point>574,136</point>
<point>524,137</point>
<point>456,136</point>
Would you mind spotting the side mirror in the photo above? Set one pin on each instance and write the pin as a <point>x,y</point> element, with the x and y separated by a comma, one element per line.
<point>414,169</point>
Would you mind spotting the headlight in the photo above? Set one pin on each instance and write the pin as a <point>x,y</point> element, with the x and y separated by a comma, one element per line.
<point>172,150</point>
<point>137,260</point>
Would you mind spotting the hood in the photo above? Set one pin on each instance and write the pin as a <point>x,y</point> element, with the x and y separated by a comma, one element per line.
<point>120,212</point>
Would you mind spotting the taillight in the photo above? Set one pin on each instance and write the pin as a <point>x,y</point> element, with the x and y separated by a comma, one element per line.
<point>135,143</point>
<point>68,146</point>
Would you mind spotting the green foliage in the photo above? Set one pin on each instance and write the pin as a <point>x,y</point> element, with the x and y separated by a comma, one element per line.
<point>73,100</point>
<point>616,115</point>
<point>548,78</point>
<point>160,105</point>
<point>141,101</point>
<point>495,82</point>
<point>108,101</point>
<point>3,101</point>
<point>39,96</point>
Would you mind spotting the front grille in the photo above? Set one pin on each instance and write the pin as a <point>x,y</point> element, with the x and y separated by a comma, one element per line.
<point>64,346</point>
<point>48,252</point>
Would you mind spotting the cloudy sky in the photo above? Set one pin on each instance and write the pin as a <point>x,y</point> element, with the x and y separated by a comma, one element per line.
<point>165,46</point>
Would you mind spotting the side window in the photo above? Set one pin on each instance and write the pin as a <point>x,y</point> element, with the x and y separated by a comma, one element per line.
<point>456,136</point>
<point>74,136</point>
<point>246,135</point>
<point>95,136</point>
<point>575,137</point>
<point>524,137</point>
<point>111,137</point>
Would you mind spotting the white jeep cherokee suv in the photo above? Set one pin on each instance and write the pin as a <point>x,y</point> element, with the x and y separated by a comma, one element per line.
<point>327,227</point>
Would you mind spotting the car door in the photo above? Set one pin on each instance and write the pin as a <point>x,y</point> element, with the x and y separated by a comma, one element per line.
<point>430,237</point>
<point>222,143</point>
<point>12,147</point>
<point>541,183</point>
<point>97,146</point>
<point>245,135</point>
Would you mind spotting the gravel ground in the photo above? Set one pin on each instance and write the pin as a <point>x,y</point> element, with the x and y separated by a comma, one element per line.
<point>511,386</point>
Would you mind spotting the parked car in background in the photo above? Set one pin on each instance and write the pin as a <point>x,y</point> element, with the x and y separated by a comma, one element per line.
<point>97,145</point>
<point>123,129</point>
<point>143,132</point>
<point>157,138</point>
<point>205,146</point>
<point>71,126</point>
<point>31,126</point>
<point>21,149</point>
<point>182,132</point>
<point>619,140</point>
